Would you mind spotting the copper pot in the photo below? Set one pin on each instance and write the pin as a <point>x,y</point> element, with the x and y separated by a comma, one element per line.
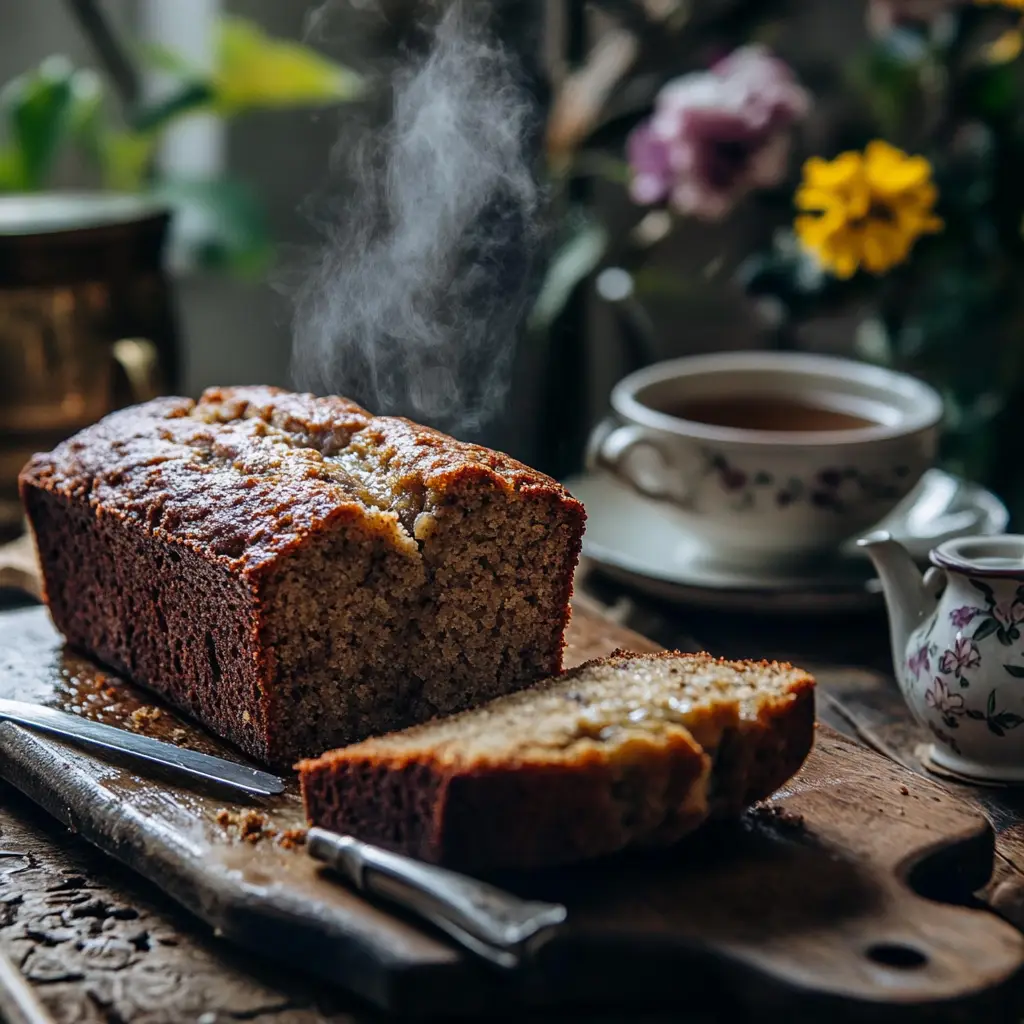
<point>86,319</point>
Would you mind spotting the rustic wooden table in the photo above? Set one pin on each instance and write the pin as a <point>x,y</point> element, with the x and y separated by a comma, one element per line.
<point>99,944</point>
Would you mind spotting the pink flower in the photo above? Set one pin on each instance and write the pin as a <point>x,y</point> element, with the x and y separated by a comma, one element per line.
<point>718,134</point>
<point>965,655</point>
<point>946,703</point>
<point>1008,613</point>
<point>920,661</point>
<point>961,617</point>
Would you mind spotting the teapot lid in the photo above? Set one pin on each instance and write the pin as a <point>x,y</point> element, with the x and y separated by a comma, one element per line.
<point>47,212</point>
<point>987,557</point>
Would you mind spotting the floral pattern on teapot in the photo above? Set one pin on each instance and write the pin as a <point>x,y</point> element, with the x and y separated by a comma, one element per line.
<point>957,635</point>
<point>953,657</point>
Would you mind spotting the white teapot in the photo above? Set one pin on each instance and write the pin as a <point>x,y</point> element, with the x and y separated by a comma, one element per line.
<point>958,648</point>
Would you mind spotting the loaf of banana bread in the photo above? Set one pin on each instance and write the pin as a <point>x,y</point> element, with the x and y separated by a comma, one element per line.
<point>297,573</point>
<point>631,750</point>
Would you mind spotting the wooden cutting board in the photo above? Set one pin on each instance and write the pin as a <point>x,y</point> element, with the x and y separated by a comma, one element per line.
<point>808,905</point>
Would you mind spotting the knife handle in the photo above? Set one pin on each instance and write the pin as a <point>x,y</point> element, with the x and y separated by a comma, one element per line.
<point>491,923</point>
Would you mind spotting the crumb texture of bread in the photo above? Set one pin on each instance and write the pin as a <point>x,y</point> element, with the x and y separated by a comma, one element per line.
<point>297,573</point>
<point>626,751</point>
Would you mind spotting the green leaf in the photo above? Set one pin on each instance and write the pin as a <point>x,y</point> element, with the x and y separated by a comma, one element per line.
<point>125,158</point>
<point>37,107</point>
<point>595,164</point>
<point>890,82</point>
<point>85,118</point>
<point>990,91</point>
<point>1017,671</point>
<point>1009,720</point>
<point>256,71</point>
<point>577,258</point>
<point>233,232</point>
<point>189,98</point>
<point>10,170</point>
<point>978,716</point>
<point>991,705</point>
<point>985,628</point>
<point>993,727</point>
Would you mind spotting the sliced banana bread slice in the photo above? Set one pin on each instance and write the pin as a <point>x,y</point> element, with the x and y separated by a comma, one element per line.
<point>630,750</point>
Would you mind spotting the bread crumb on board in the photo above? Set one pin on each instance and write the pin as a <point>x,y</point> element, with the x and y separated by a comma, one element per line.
<point>904,791</point>
<point>292,838</point>
<point>145,716</point>
<point>783,818</point>
<point>254,826</point>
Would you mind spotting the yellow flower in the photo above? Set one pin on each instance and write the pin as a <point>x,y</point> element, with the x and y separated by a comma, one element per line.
<point>865,209</point>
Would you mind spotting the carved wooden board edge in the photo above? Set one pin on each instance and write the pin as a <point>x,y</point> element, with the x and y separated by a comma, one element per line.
<point>850,938</point>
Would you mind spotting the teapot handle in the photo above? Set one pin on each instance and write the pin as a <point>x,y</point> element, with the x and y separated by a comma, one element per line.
<point>934,580</point>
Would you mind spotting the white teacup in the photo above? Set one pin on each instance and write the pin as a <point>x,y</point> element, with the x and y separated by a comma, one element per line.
<point>824,449</point>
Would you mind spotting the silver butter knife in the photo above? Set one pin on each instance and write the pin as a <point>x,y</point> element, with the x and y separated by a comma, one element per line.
<point>483,919</point>
<point>143,748</point>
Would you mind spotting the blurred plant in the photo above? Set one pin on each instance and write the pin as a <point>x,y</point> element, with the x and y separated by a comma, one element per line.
<point>908,220</point>
<point>942,80</point>
<point>57,107</point>
<point>670,104</point>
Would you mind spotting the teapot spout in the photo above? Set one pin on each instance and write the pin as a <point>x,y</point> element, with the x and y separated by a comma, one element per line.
<point>909,597</point>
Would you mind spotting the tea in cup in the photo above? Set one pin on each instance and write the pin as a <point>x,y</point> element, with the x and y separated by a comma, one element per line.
<point>770,456</point>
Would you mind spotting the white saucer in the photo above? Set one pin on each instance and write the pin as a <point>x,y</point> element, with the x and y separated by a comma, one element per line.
<point>640,543</point>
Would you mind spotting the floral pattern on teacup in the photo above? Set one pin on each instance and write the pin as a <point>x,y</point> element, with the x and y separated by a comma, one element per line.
<point>838,489</point>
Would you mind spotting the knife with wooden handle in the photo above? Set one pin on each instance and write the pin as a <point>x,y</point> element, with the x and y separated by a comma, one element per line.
<point>189,763</point>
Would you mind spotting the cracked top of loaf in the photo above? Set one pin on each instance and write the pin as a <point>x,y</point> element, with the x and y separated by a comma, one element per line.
<point>246,473</point>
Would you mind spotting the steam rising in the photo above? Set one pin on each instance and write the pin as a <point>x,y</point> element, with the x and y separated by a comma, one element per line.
<point>414,304</point>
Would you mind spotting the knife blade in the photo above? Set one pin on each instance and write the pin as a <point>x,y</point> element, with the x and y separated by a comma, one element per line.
<point>485,920</point>
<point>143,748</point>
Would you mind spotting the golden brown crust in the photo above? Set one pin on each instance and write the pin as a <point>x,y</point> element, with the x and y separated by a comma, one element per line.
<point>249,473</point>
<point>535,810</point>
